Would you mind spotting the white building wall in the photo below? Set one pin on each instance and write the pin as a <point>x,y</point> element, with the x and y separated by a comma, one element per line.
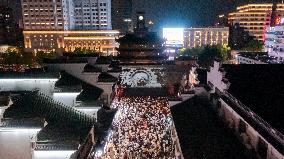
<point>16,144</point>
<point>93,14</point>
<point>52,154</point>
<point>274,42</point>
<point>244,60</point>
<point>43,85</point>
<point>42,15</point>
<point>91,78</point>
<point>215,77</point>
<point>89,110</point>
<point>68,14</point>
<point>68,99</point>
<point>232,118</point>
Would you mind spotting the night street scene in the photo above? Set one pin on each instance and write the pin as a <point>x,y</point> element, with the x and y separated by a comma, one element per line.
<point>141,79</point>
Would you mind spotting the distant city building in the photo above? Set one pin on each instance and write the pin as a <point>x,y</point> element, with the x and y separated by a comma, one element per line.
<point>222,21</point>
<point>254,18</point>
<point>141,44</point>
<point>63,26</point>
<point>48,15</point>
<point>177,38</point>
<point>239,37</point>
<point>60,41</point>
<point>197,37</point>
<point>255,58</point>
<point>122,15</point>
<point>93,14</point>
<point>274,42</point>
<point>9,29</point>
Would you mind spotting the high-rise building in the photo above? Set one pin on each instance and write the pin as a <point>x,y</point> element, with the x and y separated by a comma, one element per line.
<point>122,15</point>
<point>64,25</point>
<point>93,14</point>
<point>5,23</point>
<point>254,18</point>
<point>9,30</point>
<point>48,14</point>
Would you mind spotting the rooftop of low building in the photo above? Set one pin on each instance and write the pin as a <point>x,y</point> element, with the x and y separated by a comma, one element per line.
<point>105,77</point>
<point>65,124</point>
<point>199,128</point>
<point>259,87</point>
<point>260,56</point>
<point>28,74</point>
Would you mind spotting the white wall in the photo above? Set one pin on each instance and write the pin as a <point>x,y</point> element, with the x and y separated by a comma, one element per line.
<point>16,144</point>
<point>52,154</point>
<point>215,77</point>
<point>233,118</point>
<point>77,70</point>
<point>44,85</point>
<point>68,99</point>
<point>90,78</point>
<point>89,110</point>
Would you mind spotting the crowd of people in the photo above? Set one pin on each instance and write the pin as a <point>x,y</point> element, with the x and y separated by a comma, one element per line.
<point>142,128</point>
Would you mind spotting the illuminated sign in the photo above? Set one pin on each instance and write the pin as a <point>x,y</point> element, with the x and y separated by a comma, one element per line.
<point>278,21</point>
<point>173,36</point>
<point>282,20</point>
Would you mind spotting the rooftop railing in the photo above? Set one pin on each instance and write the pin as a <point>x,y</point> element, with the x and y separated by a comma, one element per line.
<point>53,146</point>
<point>262,123</point>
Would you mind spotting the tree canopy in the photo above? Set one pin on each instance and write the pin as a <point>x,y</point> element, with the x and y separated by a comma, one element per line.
<point>85,51</point>
<point>207,54</point>
<point>253,46</point>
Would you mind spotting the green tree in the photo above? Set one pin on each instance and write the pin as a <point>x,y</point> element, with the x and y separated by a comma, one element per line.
<point>194,52</point>
<point>41,55</point>
<point>28,58</point>
<point>253,46</point>
<point>224,52</point>
<point>85,51</point>
<point>78,51</point>
<point>210,53</point>
<point>12,56</point>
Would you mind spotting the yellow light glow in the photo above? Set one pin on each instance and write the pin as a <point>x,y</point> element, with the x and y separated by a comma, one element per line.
<point>90,38</point>
<point>74,32</point>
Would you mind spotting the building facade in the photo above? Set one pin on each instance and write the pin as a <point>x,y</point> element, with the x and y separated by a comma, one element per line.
<point>274,42</point>
<point>254,18</point>
<point>122,15</point>
<point>93,14</point>
<point>64,25</point>
<point>10,33</point>
<point>254,132</point>
<point>48,15</point>
<point>67,41</point>
<point>197,37</point>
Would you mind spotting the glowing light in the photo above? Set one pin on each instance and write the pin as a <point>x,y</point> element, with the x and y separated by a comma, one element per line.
<point>99,153</point>
<point>278,20</point>
<point>29,79</point>
<point>90,38</point>
<point>66,94</point>
<point>174,35</point>
<point>22,130</point>
<point>74,32</point>
<point>53,154</point>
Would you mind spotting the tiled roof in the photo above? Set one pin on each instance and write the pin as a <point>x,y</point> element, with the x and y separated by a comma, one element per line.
<point>22,123</point>
<point>91,68</point>
<point>105,77</point>
<point>64,122</point>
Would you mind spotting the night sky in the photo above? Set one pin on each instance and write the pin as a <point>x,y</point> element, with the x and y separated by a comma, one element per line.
<point>178,13</point>
<point>187,13</point>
